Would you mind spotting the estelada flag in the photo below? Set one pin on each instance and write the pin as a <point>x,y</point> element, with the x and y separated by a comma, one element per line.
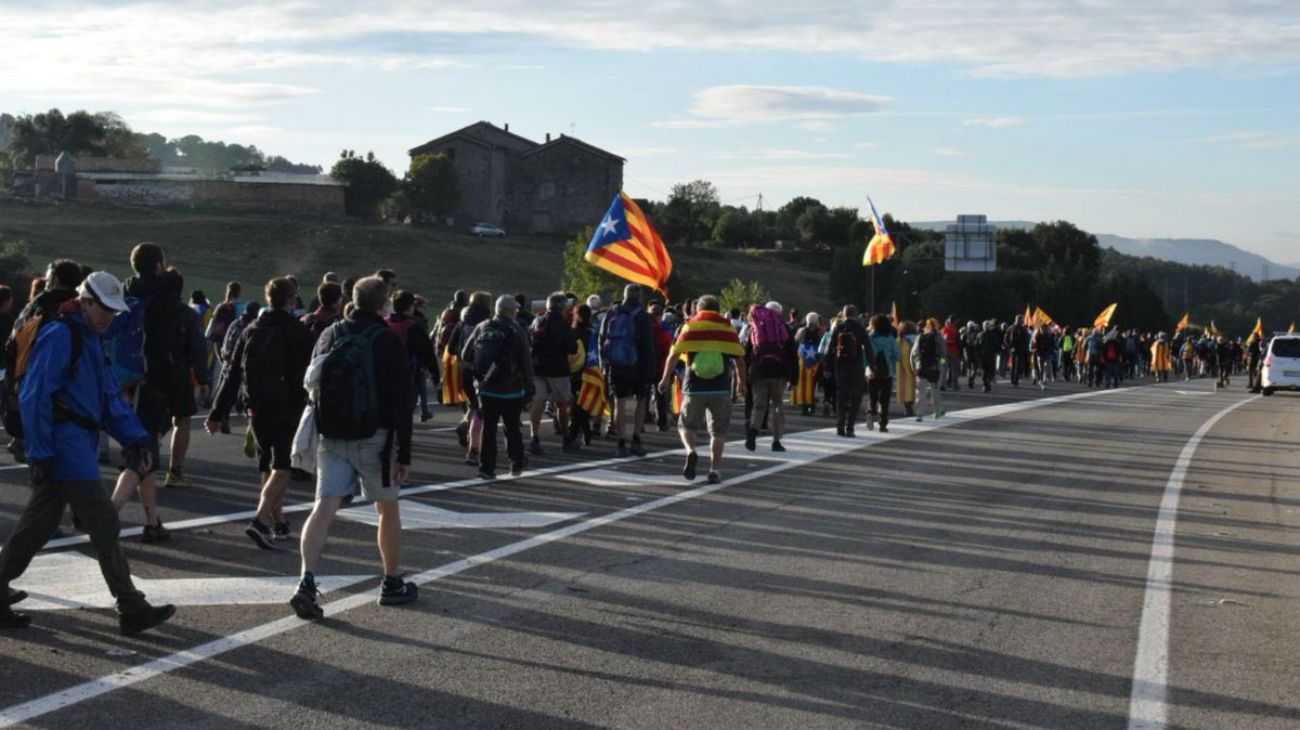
<point>707,332</point>
<point>1029,316</point>
<point>1258,332</point>
<point>1042,318</point>
<point>453,390</point>
<point>1182,323</point>
<point>881,246</point>
<point>1103,319</point>
<point>626,245</point>
<point>677,397</point>
<point>805,388</point>
<point>591,396</point>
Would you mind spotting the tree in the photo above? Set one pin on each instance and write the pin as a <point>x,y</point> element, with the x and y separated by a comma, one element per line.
<point>50,133</point>
<point>15,267</point>
<point>691,211</point>
<point>431,184</point>
<point>368,181</point>
<point>739,294</point>
<point>813,225</point>
<point>6,171</point>
<point>583,277</point>
<point>6,124</point>
<point>735,228</point>
<point>788,214</point>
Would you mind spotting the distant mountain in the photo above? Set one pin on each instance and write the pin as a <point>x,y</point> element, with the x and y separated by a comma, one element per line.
<point>1190,251</point>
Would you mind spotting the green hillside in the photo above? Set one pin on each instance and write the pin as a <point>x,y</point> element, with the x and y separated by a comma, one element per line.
<point>211,248</point>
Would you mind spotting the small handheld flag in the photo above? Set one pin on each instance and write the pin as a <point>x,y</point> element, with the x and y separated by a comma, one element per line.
<point>626,245</point>
<point>1103,319</point>
<point>881,247</point>
<point>1182,323</point>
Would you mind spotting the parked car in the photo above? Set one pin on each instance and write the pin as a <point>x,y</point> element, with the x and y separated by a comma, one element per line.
<point>487,229</point>
<point>1282,364</point>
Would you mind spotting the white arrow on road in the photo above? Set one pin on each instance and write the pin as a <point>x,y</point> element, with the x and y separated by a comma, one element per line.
<point>59,581</point>
<point>417,516</point>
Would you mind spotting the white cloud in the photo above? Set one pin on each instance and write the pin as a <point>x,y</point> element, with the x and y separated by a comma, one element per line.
<point>449,109</point>
<point>993,122</point>
<point>816,126</point>
<point>779,154</point>
<point>1258,140</point>
<point>189,116</point>
<point>634,152</point>
<point>865,145</point>
<point>720,106</point>
<point>949,152</point>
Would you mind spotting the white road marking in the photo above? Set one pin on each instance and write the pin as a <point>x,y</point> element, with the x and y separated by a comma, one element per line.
<point>59,581</point>
<point>417,516</point>
<point>164,665</point>
<point>1148,708</point>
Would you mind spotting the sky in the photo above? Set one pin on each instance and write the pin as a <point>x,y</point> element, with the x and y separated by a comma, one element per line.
<point>1155,118</point>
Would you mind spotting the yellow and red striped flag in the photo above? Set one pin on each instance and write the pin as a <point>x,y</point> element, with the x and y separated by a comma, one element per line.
<point>1042,318</point>
<point>804,392</point>
<point>1182,323</point>
<point>881,246</point>
<point>1103,319</point>
<point>1291,330</point>
<point>626,245</point>
<point>1258,332</point>
<point>591,396</point>
<point>453,390</point>
<point>677,396</point>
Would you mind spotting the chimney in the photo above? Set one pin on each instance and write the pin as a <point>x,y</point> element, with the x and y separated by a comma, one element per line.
<point>507,126</point>
<point>548,136</point>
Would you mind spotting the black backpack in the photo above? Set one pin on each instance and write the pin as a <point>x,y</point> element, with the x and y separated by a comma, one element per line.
<point>848,348</point>
<point>266,385</point>
<point>927,345</point>
<point>347,404</point>
<point>492,361</point>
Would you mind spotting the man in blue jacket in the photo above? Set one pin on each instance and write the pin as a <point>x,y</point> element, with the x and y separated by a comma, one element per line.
<point>65,401</point>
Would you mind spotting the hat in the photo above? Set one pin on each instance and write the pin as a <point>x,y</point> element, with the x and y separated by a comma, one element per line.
<point>594,301</point>
<point>104,288</point>
<point>505,303</point>
<point>775,306</point>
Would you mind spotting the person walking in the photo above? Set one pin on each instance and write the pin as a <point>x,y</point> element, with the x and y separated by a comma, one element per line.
<point>849,351</point>
<point>553,342</point>
<point>68,395</point>
<point>192,373</point>
<point>772,367</point>
<point>927,362</point>
<point>990,349</point>
<point>712,351</point>
<point>362,399</point>
<point>885,358</point>
<point>906,377</point>
<point>502,366</point>
<point>266,375</point>
<point>414,333</point>
<point>626,354</point>
<point>952,342</point>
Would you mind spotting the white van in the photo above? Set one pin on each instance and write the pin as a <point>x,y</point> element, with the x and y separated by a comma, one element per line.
<point>1282,364</point>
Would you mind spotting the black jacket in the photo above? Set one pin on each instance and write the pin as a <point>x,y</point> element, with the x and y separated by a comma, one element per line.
<point>296,341</point>
<point>163,346</point>
<point>393,373</point>
<point>519,375</point>
<point>553,343</point>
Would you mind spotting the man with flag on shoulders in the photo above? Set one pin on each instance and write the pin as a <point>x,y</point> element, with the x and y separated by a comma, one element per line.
<point>711,349</point>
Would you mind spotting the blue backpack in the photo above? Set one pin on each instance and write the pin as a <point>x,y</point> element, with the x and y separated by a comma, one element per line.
<point>124,342</point>
<point>620,337</point>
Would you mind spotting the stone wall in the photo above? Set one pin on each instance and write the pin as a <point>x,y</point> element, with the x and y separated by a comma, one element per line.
<point>287,197</point>
<point>564,188</point>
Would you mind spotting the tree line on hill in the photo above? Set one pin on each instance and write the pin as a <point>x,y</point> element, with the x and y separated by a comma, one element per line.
<point>105,134</point>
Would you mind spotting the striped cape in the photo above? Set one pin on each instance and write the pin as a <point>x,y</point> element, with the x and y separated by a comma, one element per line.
<point>804,392</point>
<point>707,332</point>
<point>453,390</point>
<point>592,397</point>
<point>906,380</point>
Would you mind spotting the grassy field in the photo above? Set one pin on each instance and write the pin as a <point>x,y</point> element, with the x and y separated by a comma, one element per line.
<point>211,248</point>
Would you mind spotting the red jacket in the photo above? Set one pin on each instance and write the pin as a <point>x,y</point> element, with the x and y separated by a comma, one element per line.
<point>663,340</point>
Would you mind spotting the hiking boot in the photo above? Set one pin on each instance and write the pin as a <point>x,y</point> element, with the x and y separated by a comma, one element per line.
<point>395,591</point>
<point>426,416</point>
<point>776,445</point>
<point>884,428</point>
<point>688,471</point>
<point>225,427</point>
<point>637,449</point>
<point>282,530</point>
<point>751,439</point>
<point>462,434</point>
<point>715,476</point>
<point>260,534</point>
<point>850,433</point>
<point>13,596</point>
<point>154,534</point>
<point>11,619</point>
<point>839,431</point>
<point>571,446</point>
<point>535,448</point>
<point>487,474</point>
<point>137,622</point>
<point>304,601</point>
<point>176,480</point>
<point>622,450</point>
<point>517,468</point>
<point>587,436</point>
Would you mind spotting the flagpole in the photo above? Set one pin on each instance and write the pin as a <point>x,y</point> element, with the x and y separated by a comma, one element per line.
<point>872,308</point>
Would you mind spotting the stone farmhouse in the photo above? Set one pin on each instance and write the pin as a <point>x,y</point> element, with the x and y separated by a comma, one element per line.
<point>558,186</point>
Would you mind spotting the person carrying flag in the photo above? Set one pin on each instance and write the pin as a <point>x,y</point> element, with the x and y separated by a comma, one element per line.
<point>711,349</point>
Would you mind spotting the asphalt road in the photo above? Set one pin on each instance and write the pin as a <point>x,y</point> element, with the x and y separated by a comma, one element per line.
<point>991,570</point>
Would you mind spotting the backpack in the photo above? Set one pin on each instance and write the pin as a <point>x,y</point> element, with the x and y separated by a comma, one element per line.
<point>222,316</point>
<point>266,384</point>
<point>880,366</point>
<point>768,335</point>
<point>1111,352</point>
<point>848,348</point>
<point>17,354</point>
<point>927,347</point>
<point>125,345</point>
<point>492,361</point>
<point>347,402</point>
<point>708,364</point>
<point>620,337</point>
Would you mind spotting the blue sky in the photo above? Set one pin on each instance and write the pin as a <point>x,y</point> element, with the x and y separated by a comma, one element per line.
<point>1150,119</point>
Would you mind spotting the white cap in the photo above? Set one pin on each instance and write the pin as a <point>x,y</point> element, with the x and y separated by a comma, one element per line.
<point>104,288</point>
<point>594,301</point>
<point>775,306</point>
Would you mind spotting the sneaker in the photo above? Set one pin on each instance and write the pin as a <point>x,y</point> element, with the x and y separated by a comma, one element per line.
<point>153,534</point>
<point>586,437</point>
<point>571,446</point>
<point>535,448</point>
<point>517,468</point>
<point>225,427</point>
<point>282,530</point>
<point>395,592</point>
<point>839,431</point>
<point>776,445</point>
<point>714,476</point>
<point>176,480</point>
<point>487,474</point>
<point>919,418</point>
<point>688,471</point>
<point>636,449</point>
<point>11,619</point>
<point>13,596</point>
<point>304,601</point>
<point>884,428</point>
<point>751,439</point>
<point>940,414</point>
<point>426,416</point>
<point>462,434</point>
<point>471,457</point>
<point>137,622</point>
<point>850,433</point>
<point>260,534</point>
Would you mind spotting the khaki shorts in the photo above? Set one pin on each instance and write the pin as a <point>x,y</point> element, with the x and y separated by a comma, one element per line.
<point>713,408</point>
<point>341,463</point>
<point>556,390</point>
